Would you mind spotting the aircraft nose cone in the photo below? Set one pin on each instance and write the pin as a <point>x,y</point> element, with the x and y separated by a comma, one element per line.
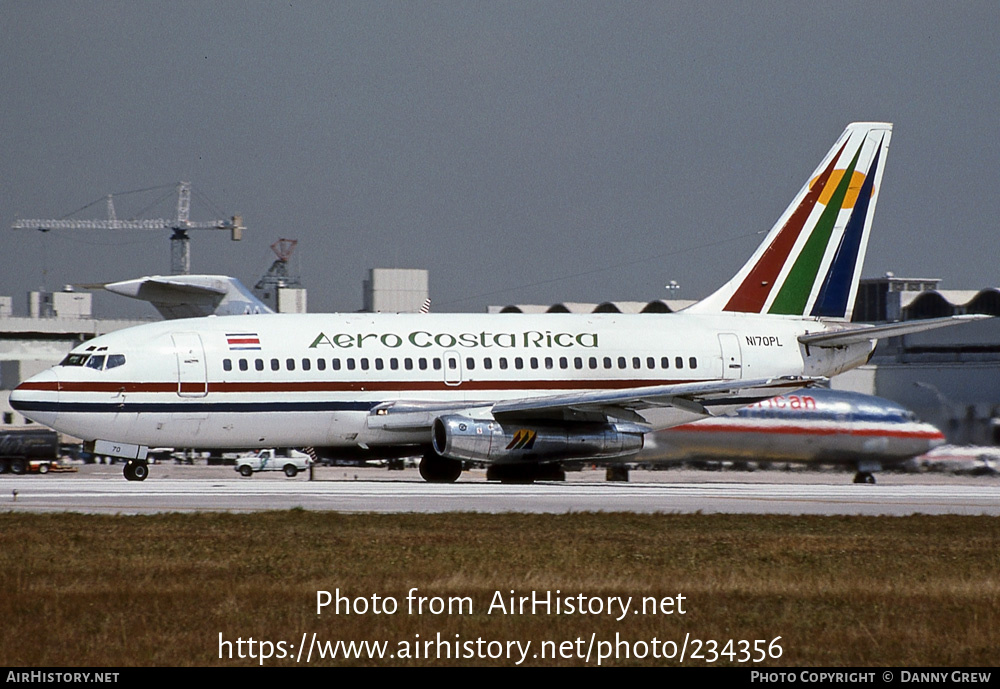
<point>37,395</point>
<point>935,438</point>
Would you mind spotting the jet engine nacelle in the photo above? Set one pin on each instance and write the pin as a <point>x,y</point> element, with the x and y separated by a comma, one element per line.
<point>464,438</point>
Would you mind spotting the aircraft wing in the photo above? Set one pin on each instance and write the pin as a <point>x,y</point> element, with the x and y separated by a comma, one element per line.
<point>654,407</point>
<point>866,333</point>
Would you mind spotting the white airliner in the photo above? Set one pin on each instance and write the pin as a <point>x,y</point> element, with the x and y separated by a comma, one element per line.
<point>524,390</point>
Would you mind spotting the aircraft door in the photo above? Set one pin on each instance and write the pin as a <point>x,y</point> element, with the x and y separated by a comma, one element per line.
<point>192,374</point>
<point>732,358</point>
<point>452,368</point>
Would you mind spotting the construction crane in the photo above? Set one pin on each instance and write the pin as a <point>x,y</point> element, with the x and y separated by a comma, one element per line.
<point>180,242</point>
<point>278,277</point>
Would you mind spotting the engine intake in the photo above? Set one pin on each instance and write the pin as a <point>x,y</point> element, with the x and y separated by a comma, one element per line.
<point>461,437</point>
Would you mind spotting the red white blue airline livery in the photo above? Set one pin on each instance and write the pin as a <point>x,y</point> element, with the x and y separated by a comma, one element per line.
<point>815,426</point>
<point>518,391</point>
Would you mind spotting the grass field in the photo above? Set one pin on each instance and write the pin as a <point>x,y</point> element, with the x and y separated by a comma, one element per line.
<point>82,590</point>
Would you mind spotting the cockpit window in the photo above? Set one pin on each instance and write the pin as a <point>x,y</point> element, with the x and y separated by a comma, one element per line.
<point>75,360</point>
<point>95,361</point>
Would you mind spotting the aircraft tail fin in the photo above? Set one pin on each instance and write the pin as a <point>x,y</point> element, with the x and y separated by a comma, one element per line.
<point>810,262</point>
<point>191,296</point>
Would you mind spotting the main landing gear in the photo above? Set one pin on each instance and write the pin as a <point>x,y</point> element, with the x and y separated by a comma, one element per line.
<point>864,477</point>
<point>437,469</point>
<point>135,470</point>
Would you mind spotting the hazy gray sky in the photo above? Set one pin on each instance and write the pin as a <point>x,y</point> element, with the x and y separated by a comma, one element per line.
<point>520,151</point>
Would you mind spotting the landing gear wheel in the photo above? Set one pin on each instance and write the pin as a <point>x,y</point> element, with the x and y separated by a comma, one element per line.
<point>291,470</point>
<point>437,469</point>
<point>864,477</point>
<point>136,471</point>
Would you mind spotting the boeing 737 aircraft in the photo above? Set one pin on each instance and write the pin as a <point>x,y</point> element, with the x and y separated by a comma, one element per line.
<point>525,390</point>
<point>817,426</point>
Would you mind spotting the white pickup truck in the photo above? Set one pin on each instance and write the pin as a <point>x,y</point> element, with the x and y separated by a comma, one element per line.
<point>267,460</point>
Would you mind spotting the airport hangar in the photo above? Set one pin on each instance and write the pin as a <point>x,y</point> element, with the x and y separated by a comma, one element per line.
<point>950,377</point>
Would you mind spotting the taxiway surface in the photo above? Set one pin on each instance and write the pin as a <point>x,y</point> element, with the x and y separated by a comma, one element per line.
<point>173,488</point>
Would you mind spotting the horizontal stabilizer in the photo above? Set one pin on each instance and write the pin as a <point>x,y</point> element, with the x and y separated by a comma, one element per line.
<point>848,336</point>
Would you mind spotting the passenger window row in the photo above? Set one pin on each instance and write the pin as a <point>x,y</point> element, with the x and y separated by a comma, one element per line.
<point>471,363</point>
<point>349,364</point>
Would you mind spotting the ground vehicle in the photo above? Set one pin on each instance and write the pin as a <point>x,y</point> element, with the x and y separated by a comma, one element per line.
<point>23,450</point>
<point>269,460</point>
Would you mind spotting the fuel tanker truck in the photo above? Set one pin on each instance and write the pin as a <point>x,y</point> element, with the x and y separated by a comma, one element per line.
<point>24,450</point>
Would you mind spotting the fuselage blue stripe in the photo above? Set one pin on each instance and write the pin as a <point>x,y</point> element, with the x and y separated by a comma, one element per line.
<point>192,406</point>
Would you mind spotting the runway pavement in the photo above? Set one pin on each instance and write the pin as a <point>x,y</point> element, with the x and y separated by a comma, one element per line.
<point>173,488</point>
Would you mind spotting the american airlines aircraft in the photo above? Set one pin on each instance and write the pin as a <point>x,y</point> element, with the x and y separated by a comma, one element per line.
<point>816,426</point>
<point>518,390</point>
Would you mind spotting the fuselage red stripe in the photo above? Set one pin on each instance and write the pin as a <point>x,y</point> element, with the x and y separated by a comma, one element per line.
<point>812,429</point>
<point>348,386</point>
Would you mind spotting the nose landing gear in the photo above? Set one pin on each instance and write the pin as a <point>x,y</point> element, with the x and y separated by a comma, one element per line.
<point>135,470</point>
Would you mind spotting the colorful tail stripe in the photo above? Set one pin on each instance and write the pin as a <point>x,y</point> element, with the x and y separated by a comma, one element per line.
<point>756,287</point>
<point>797,286</point>
<point>810,262</point>
<point>833,296</point>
